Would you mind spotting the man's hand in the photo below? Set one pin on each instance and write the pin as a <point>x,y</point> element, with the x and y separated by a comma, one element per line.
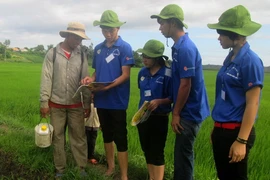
<point>176,126</point>
<point>87,80</point>
<point>87,113</point>
<point>44,112</point>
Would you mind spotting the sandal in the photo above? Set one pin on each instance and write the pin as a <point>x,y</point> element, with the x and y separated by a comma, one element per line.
<point>93,161</point>
<point>58,175</point>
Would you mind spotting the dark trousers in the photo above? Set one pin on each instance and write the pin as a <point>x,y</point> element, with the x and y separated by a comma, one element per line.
<point>183,150</point>
<point>91,135</point>
<point>153,135</point>
<point>222,139</point>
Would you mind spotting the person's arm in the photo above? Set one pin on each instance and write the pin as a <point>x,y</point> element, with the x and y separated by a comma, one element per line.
<point>238,150</point>
<point>46,84</point>
<point>86,94</point>
<point>182,96</point>
<point>252,105</point>
<point>167,90</point>
<point>157,102</point>
<point>84,69</point>
<point>88,79</point>
<point>93,77</point>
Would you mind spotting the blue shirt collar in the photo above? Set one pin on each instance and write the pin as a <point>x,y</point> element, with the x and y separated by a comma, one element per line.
<point>118,42</point>
<point>177,45</point>
<point>239,57</point>
<point>159,72</point>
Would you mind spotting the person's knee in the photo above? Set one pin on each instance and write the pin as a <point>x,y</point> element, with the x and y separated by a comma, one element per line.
<point>107,137</point>
<point>121,144</point>
<point>156,159</point>
<point>158,162</point>
<point>120,139</point>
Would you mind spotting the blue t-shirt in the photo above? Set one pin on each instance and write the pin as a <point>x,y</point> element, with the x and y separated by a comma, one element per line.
<point>158,86</point>
<point>187,63</point>
<point>108,63</point>
<point>234,79</point>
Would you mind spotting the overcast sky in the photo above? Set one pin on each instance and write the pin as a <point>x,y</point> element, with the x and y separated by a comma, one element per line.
<point>28,23</point>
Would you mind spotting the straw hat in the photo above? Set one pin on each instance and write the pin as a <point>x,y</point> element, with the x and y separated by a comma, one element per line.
<point>153,48</point>
<point>74,28</point>
<point>171,11</point>
<point>237,20</point>
<point>110,19</point>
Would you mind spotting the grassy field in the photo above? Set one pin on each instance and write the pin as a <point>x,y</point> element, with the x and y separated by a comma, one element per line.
<point>19,113</point>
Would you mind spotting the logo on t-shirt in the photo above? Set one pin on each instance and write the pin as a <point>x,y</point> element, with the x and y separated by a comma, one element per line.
<point>142,78</point>
<point>160,80</point>
<point>186,68</point>
<point>233,72</point>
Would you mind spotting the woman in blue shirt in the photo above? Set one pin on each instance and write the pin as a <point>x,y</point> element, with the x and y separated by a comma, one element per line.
<point>238,88</point>
<point>154,82</point>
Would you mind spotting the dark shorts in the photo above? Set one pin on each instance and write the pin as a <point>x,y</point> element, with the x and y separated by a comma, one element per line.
<point>153,135</point>
<point>113,126</point>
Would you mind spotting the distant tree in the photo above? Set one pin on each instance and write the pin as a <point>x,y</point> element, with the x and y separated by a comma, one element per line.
<point>89,52</point>
<point>49,47</point>
<point>6,44</point>
<point>39,48</point>
<point>137,59</point>
<point>2,49</point>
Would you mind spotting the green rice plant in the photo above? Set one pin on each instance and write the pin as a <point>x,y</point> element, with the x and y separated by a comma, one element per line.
<point>19,114</point>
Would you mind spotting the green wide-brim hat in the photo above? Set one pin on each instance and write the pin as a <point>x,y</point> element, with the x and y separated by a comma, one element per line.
<point>171,11</point>
<point>237,20</point>
<point>153,49</point>
<point>110,19</point>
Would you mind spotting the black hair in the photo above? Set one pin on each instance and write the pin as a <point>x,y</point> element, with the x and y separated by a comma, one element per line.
<point>175,21</point>
<point>232,35</point>
<point>179,24</point>
<point>160,60</point>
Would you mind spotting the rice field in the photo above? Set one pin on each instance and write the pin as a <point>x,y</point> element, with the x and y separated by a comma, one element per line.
<point>19,113</point>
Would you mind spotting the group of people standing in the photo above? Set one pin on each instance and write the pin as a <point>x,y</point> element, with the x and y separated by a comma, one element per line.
<point>179,89</point>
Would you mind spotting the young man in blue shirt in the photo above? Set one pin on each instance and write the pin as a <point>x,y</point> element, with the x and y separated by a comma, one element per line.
<point>189,94</point>
<point>112,61</point>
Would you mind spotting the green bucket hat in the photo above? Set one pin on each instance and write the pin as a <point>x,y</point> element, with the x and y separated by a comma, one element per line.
<point>171,11</point>
<point>153,48</point>
<point>110,19</point>
<point>237,20</point>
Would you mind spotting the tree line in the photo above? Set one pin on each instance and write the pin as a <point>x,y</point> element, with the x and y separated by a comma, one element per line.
<point>6,52</point>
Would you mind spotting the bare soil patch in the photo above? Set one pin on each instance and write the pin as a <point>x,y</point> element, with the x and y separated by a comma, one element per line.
<point>10,169</point>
